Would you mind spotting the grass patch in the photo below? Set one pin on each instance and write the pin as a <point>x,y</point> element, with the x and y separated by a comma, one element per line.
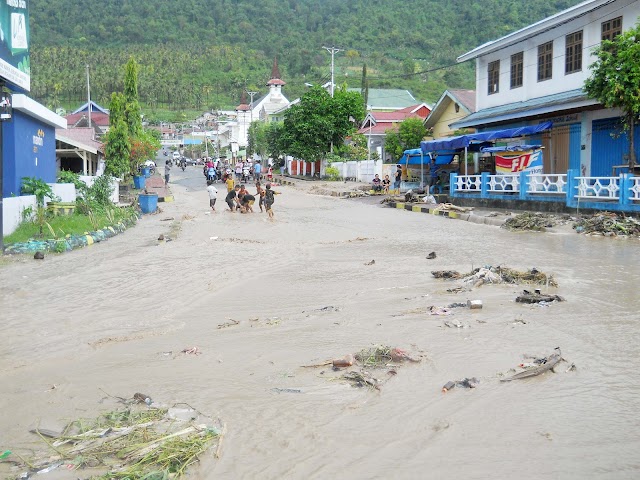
<point>63,225</point>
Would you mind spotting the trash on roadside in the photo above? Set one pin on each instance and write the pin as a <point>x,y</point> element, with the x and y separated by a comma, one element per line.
<point>135,442</point>
<point>448,386</point>
<point>538,366</point>
<point>440,311</point>
<point>347,361</point>
<point>447,274</point>
<point>528,297</point>
<point>192,351</point>
<point>362,379</point>
<point>431,256</point>
<point>499,274</point>
<point>372,262</point>
<point>168,219</point>
<point>38,256</point>
<point>457,305</point>
<point>474,304</point>
<point>286,390</point>
<point>537,222</point>
<point>161,237</point>
<point>608,224</point>
<point>229,323</point>
<point>213,238</point>
<point>464,383</point>
<point>456,324</point>
<point>142,398</point>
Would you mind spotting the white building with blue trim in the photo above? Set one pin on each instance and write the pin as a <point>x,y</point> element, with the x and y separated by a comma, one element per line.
<point>537,73</point>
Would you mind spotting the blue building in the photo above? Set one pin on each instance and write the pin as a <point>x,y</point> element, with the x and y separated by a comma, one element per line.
<point>29,144</point>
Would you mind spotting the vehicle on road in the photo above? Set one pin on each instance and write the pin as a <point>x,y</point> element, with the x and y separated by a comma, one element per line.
<point>176,156</point>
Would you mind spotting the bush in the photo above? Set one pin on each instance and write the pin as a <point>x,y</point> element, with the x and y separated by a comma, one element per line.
<point>66,176</point>
<point>332,173</point>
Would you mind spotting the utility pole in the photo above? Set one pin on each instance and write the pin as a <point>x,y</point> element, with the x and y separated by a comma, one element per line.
<point>88,98</point>
<point>332,51</point>
<point>252,94</point>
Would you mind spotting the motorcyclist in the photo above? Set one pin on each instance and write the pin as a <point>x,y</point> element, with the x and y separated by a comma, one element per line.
<point>183,163</point>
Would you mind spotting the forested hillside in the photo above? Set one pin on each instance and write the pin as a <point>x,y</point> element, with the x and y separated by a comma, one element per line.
<point>202,53</point>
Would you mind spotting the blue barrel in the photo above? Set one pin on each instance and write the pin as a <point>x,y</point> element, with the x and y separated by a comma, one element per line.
<point>148,202</point>
<point>146,171</point>
<point>138,182</point>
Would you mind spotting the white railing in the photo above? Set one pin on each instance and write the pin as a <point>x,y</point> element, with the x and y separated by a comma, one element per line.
<point>552,183</point>
<point>468,183</point>
<point>635,189</point>
<point>504,183</point>
<point>598,187</point>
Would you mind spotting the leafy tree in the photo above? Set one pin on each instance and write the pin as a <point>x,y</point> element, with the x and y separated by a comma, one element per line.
<point>615,80</point>
<point>258,139</point>
<point>117,150</point>
<point>143,147</point>
<point>275,139</point>
<point>132,110</point>
<point>318,120</point>
<point>409,135</point>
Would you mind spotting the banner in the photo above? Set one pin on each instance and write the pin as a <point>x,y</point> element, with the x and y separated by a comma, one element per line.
<point>510,163</point>
<point>15,64</point>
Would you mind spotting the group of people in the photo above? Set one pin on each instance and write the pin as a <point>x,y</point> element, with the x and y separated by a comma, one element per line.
<point>383,185</point>
<point>239,199</point>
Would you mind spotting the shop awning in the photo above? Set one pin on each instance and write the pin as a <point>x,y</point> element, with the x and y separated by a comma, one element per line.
<point>463,141</point>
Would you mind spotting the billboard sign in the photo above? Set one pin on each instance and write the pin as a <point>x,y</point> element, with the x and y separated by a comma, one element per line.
<point>512,162</point>
<point>15,65</point>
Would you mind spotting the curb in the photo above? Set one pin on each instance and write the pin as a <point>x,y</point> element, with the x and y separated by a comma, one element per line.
<point>71,242</point>
<point>467,217</point>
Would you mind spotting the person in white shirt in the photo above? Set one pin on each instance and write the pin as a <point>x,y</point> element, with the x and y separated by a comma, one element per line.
<point>213,195</point>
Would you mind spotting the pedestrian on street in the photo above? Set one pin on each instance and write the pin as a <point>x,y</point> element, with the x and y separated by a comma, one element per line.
<point>231,197</point>
<point>167,171</point>
<point>398,179</point>
<point>213,195</point>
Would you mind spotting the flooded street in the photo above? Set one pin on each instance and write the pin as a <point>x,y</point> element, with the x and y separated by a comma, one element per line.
<point>99,319</point>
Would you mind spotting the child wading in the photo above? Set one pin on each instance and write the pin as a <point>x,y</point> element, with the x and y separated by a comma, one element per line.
<point>269,199</point>
<point>213,195</point>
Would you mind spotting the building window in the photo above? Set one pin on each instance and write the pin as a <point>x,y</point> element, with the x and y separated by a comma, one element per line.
<point>494,77</point>
<point>516,69</point>
<point>545,61</point>
<point>611,28</point>
<point>573,53</point>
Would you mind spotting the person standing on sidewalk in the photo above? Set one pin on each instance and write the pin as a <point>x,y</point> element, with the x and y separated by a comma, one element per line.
<point>167,171</point>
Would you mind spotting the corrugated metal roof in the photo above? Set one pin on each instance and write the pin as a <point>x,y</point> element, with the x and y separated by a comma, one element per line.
<point>388,98</point>
<point>529,108</point>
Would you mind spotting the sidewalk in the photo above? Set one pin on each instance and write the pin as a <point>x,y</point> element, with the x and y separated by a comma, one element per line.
<point>155,184</point>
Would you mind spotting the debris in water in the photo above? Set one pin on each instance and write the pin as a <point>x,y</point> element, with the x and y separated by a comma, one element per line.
<point>192,351</point>
<point>545,364</point>
<point>537,222</point>
<point>286,390</point>
<point>538,298</point>
<point>134,443</point>
<point>456,324</point>
<point>38,256</point>
<point>161,237</point>
<point>447,274</point>
<point>441,311</point>
<point>431,256</point>
<point>230,323</point>
<point>608,224</point>
<point>347,361</point>
<point>372,262</point>
<point>474,304</point>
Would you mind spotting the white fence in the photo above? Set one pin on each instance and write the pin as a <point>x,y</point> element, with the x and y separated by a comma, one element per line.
<point>362,171</point>
<point>12,208</point>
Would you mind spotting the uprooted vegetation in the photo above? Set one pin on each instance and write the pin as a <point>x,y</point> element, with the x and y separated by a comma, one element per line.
<point>608,224</point>
<point>499,274</point>
<point>133,443</point>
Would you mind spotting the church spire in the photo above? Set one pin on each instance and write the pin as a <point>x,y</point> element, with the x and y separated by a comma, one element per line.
<point>275,74</point>
<point>243,103</point>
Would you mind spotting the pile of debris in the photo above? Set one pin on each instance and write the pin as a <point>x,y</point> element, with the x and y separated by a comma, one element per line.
<point>379,358</point>
<point>499,274</point>
<point>135,442</point>
<point>608,224</point>
<point>537,222</point>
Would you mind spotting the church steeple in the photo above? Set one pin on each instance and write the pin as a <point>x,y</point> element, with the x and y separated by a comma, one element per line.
<point>243,107</point>
<point>275,75</point>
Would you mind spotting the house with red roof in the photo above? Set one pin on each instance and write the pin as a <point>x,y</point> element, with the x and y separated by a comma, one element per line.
<point>376,124</point>
<point>99,117</point>
<point>77,150</point>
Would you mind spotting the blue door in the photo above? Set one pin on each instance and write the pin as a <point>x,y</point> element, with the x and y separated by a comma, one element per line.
<point>610,146</point>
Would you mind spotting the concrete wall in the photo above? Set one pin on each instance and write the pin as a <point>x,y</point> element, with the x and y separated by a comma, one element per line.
<point>12,208</point>
<point>115,183</point>
<point>66,192</point>
<point>29,149</point>
<point>363,171</point>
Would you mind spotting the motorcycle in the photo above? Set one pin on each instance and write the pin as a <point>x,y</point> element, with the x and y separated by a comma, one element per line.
<point>183,165</point>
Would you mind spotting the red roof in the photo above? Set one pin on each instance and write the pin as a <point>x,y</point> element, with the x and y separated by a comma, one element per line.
<point>243,107</point>
<point>100,119</point>
<point>84,135</point>
<point>276,81</point>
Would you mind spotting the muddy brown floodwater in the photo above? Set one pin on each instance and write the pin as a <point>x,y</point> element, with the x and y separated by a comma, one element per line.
<point>101,318</point>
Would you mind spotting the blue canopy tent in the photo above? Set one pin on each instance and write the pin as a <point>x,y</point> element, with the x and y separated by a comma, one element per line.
<point>476,140</point>
<point>416,156</point>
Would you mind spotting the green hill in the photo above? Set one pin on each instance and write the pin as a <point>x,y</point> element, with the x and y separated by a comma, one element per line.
<point>199,54</point>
